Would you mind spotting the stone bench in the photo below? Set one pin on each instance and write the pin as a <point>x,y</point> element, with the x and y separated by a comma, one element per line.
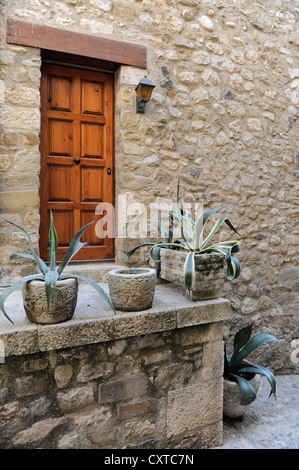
<point>150,379</point>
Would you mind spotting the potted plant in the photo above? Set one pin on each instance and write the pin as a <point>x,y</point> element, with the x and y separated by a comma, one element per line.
<point>191,260</point>
<point>132,289</point>
<point>242,378</point>
<point>50,297</point>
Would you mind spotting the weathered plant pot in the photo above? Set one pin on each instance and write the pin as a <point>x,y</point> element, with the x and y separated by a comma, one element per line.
<point>232,408</point>
<point>62,306</point>
<point>132,291</point>
<point>209,273</point>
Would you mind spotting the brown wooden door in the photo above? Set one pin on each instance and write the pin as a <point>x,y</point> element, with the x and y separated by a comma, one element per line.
<point>76,156</point>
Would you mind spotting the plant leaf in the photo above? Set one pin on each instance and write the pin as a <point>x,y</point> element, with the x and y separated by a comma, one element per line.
<point>226,248</point>
<point>27,256</point>
<point>198,233</point>
<point>240,339</point>
<point>92,283</point>
<point>203,219</point>
<point>51,279</point>
<point>180,219</point>
<point>73,248</point>
<point>226,363</point>
<point>13,287</point>
<point>247,392</point>
<point>155,255</point>
<point>168,239</point>
<point>233,266</point>
<point>257,369</point>
<point>216,226</point>
<point>243,336</point>
<point>36,258</point>
<point>130,252</point>
<point>53,243</point>
<point>189,270</point>
<point>78,248</point>
<point>253,343</point>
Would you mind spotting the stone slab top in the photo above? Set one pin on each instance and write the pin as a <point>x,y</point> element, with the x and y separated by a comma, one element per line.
<point>94,321</point>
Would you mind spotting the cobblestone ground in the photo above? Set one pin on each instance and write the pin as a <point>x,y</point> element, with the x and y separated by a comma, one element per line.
<point>268,424</point>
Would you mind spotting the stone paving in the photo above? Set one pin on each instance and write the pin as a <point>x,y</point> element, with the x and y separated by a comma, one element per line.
<point>268,424</point>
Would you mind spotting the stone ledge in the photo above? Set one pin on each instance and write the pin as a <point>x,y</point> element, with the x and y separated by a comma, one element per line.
<point>95,322</point>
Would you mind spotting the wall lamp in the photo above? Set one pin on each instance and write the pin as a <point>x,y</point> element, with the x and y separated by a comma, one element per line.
<point>143,94</point>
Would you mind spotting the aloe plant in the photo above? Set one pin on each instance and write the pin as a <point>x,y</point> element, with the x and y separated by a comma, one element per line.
<point>193,241</point>
<point>236,368</point>
<point>50,275</point>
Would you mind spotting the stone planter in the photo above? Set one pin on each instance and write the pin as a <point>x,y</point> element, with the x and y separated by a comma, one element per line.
<point>209,273</point>
<point>232,408</point>
<point>62,306</point>
<point>132,291</point>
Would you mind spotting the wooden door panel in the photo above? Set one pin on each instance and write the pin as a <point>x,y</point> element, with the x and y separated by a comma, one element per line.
<point>92,140</point>
<point>76,152</point>
<point>92,182</point>
<point>60,93</point>
<point>60,185</point>
<point>92,97</point>
<point>60,137</point>
<point>90,234</point>
<point>64,222</point>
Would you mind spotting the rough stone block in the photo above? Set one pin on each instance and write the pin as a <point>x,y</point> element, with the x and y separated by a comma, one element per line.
<point>63,375</point>
<point>135,409</point>
<point>76,398</point>
<point>209,332</point>
<point>172,375</point>
<point>89,372</point>
<point>214,311</point>
<point>123,389</point>
<point>30,385</point>
<point>19,201</point>
<point>193,407</point>
<point>37,431</point>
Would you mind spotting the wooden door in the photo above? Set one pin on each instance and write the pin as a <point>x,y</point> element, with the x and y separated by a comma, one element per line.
<point>76,157</point>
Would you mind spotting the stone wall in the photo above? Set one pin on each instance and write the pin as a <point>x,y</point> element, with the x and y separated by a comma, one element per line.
<point>223,115</point>
<point>122,394</point>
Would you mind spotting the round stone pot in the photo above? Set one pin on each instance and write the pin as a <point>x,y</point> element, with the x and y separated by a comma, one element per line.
<point>232,408</point>
<point>62,306</point>
<point>132,290</point>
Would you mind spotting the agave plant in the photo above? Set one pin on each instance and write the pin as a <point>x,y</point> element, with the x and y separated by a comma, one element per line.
<point>237,369</point>
<point>193,241</point>
<point>50,275</point>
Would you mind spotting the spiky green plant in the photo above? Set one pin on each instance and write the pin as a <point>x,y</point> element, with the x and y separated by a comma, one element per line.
<point>50,275</point>
<point>236,368</point>
<point>193,241</point>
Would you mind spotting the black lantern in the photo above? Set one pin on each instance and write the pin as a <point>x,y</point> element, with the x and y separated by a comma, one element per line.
<point>143,94</point>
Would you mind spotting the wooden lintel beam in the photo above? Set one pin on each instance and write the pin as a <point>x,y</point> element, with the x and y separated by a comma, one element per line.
<point>53,39</point>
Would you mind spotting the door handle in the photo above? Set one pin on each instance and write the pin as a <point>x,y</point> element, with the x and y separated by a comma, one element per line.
<point>109,171</point>
<point>77,161</point>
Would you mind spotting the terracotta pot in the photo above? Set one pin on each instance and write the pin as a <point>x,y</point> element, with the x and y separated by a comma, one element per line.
<point>62,306</point>
<point>132,292</point>
<point>232,408</point>
<point>209,273</point>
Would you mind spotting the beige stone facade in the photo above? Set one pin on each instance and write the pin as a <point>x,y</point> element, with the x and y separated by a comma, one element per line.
<point>223,116</point>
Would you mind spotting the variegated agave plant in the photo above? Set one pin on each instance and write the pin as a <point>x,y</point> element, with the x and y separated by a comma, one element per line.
<point>193,241</point>
<point>52,273</point>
